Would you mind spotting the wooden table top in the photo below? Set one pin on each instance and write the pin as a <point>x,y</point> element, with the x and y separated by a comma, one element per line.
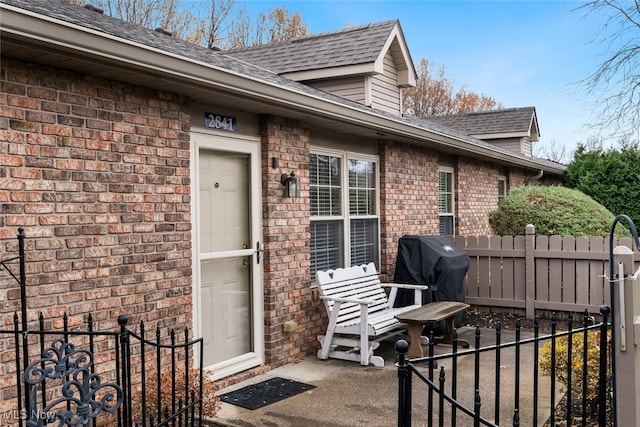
<point>433,312</point>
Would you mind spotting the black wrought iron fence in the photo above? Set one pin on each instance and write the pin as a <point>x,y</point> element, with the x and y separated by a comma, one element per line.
<point>76,376</point>
<point>576,362</point>
<point>72,377</point>
<point>171,396</point>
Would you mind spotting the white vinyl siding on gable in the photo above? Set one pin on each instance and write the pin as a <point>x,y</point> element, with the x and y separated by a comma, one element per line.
<point>352,88</point>
<point>519,145</point>
<point>385,92</point>
<point>379,91</point>
<point>527,147</point>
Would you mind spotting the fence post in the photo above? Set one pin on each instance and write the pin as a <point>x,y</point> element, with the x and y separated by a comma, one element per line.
<point>530,271</point>
<point>404,385</point>
<point>125,356</point>
<point>627,351</point>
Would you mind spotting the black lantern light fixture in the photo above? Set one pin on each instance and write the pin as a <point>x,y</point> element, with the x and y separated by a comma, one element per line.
<point>290,182</point>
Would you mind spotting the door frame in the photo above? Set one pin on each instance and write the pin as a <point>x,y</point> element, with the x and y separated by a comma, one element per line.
<point>251,146</point>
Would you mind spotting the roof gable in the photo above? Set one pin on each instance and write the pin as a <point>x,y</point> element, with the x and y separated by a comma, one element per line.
<point>56,33</point>
<point>495,124</point>
<point>351,51</point>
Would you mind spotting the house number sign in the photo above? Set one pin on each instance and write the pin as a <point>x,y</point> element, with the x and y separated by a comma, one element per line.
<point>220,122</point>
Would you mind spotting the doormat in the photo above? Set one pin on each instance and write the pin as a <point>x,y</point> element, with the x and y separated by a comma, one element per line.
<point>265,393</point>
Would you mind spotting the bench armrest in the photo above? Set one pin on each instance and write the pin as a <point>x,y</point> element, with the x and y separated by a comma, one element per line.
<point>405,286</point>
<point>417,292</point>
<point>351,300</point>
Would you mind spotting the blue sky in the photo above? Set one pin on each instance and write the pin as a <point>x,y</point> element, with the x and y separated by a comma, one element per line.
<point>521,53</point>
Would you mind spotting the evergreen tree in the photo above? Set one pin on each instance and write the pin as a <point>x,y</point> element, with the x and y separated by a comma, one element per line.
<point>611,177</point>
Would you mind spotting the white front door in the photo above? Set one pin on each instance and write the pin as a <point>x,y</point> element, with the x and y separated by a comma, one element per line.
<point>227,280</point>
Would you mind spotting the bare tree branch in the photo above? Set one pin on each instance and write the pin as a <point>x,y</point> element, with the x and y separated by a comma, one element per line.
<point>166,14</point>
<point>211,23</point>
<point>552,151</point>
<point>616,81</point>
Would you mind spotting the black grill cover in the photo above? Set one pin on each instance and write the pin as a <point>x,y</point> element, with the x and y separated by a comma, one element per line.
<point>431,260</point>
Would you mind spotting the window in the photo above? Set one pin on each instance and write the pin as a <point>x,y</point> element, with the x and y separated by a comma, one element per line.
<point>363,212</point>
<point>344,211</point>
<point>502,188</point>
<point>446,201</point>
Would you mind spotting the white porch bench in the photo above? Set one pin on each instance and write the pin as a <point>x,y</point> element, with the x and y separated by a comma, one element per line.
<point>360,314</point>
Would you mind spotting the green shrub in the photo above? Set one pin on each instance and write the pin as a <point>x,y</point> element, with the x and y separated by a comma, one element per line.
<point>553,211</point>
<point>611,177</point>
<point>576,363</point>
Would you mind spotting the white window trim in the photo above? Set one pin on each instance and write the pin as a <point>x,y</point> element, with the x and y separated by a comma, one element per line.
<point>452,214</point>
<point>344,216</point>
<point>502,180</point>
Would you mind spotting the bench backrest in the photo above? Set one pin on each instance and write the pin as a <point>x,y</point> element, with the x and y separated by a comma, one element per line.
<point>357,282</point>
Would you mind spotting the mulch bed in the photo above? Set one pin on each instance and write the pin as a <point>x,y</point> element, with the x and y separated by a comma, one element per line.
<point>508,320</point>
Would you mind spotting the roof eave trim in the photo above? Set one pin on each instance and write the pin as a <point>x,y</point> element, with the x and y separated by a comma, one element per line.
<point>333,72</point>
<point>502,135</point>
<point>406,74</point>
<point>92,44</point>
<point>534,129</point>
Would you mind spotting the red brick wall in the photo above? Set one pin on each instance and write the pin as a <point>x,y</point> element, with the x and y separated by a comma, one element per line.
<point>518,178</point>
<point>476,195</point>
<point>408,197</point>
<point>286,228</point>
<point>97,173</point>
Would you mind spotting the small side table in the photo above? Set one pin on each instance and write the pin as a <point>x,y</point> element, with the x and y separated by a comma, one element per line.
<point>431,313</point>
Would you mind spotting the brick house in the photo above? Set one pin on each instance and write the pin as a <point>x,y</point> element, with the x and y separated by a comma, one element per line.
<point>148,175</point>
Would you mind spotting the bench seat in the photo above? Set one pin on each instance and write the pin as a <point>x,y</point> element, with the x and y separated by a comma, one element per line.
<point>360,313</point>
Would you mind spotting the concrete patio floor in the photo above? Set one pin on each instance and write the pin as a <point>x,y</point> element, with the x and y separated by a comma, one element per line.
<point>348,394</point>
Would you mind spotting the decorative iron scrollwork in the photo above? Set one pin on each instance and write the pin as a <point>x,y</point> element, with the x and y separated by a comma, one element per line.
<point>84,396</point>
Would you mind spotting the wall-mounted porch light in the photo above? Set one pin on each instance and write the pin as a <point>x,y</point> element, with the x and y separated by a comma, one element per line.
<point>290,182</point>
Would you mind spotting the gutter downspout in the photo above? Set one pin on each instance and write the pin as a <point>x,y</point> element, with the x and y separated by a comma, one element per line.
<point>536,177</point>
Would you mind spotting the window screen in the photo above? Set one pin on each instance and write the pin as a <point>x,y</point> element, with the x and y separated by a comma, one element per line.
<point>325,185</point>
<point>502,188</point>
<point>327,246</point>
<point>362,187</point>
<point>446,202</point>
<point>364,241</point>
<point>344,211</point>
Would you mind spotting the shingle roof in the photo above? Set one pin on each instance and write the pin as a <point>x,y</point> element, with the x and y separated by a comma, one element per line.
<point>65,12</point>
<point>350,46</point>
<point>506,121</point>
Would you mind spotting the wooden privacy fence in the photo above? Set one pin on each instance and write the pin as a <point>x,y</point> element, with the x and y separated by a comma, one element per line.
<point>532,272</point>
